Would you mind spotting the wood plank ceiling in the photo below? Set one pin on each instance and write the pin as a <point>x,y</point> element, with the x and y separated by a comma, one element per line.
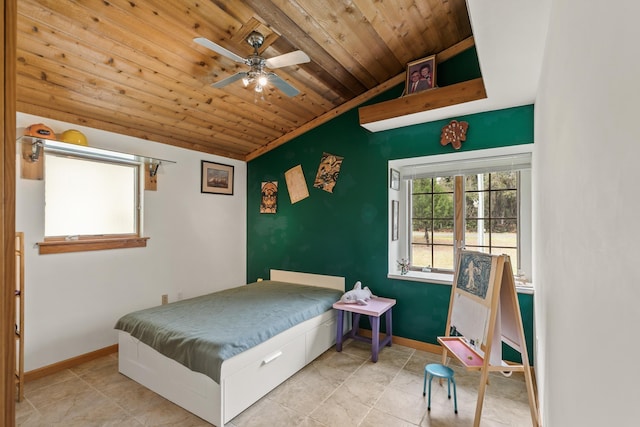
<point>132,67</point>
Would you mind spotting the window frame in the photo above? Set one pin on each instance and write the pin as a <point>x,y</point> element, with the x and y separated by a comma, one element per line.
<point>400,249</point>
<point>82,243</point>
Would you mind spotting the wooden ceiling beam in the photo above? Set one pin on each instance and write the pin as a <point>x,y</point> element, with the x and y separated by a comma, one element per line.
<point>348,85</point>
<point>392,82</point>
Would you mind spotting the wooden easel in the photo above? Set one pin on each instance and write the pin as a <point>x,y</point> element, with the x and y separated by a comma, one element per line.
<point>484,303</point>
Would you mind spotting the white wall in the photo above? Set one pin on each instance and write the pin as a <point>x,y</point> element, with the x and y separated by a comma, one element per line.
<point>586,215</point>
<point>197,245</point>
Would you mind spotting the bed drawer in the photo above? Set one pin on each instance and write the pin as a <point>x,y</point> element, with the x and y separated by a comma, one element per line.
<point>261,376</point>
<point>319,339</point>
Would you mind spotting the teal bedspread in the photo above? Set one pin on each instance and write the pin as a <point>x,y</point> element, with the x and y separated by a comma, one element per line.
<point>202,332</point>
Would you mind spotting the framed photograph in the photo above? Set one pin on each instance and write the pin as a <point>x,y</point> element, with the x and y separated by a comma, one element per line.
<point>421,75</point>
<point>216,178</point>
<point>394,179</point>
<point>395,207</point>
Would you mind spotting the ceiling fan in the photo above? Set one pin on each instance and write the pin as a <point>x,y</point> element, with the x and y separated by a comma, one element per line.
<point>257,73</point>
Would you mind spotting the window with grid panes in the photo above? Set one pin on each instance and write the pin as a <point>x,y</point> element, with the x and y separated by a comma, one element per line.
<point>477,203</point>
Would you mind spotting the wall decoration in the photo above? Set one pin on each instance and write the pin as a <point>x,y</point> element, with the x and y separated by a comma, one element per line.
<point>395,207</point>
<point>216,178</point>
<point>328,172</point>
<point>269,201</point>
<point>394,179</point>
<point>421,75</point>
<point>296,184</point>
<point>455,132</point>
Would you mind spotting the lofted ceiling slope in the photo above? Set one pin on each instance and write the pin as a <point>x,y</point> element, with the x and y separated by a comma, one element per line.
<point>132,67</point>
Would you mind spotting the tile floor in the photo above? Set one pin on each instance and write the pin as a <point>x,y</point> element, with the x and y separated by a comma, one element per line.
<point>337,389</point>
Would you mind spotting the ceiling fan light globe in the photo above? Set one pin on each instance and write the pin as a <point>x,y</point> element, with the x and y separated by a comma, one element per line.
<point>258,87</point>
<point>262,80</point>
<point>245,82</point>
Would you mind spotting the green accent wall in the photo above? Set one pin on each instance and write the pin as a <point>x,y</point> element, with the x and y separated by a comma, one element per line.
<point>345,233</point>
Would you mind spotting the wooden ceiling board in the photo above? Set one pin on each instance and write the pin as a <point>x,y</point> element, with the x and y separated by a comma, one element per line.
<point>133,67</point>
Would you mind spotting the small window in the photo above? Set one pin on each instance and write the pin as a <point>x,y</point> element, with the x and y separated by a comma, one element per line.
<point>86,197</point>
<point>91,203</point>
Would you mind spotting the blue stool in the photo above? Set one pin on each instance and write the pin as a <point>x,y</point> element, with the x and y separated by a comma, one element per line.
<point>440,371</point>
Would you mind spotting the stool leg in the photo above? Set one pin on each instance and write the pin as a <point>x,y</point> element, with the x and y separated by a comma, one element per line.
<point>355,324</point>
<point>429,400</point>
<point>424,384</point>
<point>339,331</point>
<point>375,337</point>
<point>449,388</point>
<point>455,396</point>
<point>389,327</point>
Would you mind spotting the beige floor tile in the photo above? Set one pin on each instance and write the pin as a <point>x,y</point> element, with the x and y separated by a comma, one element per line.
<point>408,381</point>
<point>64,390</point>
<point>305,391</point>
<point>267,413</point>
<point>340,410</point>
<point>410,407</point>
<point>58,377</point>
<point>344,389</point>
<point>309,422</point>
<point>168,414</point>
<point>376,418</point>
<point>337,367</point>
<point>86,409</point>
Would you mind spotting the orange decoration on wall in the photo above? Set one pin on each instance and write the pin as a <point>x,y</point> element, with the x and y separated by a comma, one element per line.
<point>455,132</point>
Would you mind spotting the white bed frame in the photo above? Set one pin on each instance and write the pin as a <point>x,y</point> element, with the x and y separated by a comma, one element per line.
<point>244,378</point>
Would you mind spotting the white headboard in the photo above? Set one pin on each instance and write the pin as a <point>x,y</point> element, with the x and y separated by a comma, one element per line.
<point>333,282</point>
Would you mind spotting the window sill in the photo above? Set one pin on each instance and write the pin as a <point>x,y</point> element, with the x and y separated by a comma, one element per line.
<point>59,246</point>
<point>447,279</point>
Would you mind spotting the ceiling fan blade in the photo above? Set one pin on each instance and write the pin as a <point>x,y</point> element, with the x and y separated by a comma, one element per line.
<point>291,58</point>
<point>282,85</point>
<point>230,79</point>
<point>219,49</point>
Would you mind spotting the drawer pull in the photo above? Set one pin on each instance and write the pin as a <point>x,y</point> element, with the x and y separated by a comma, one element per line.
<point>271,358</point>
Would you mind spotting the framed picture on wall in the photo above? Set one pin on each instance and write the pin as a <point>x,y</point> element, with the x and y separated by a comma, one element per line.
<point>395,206</point>
<point>394,179</point>
<point>421,75</point>
<point>216,178</point>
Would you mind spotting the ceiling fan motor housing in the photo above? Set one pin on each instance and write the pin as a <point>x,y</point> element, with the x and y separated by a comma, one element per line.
<point>255,40</point>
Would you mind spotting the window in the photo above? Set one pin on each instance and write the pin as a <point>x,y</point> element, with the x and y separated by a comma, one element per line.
<point>89,197</point>
<point>432,220</point>
<point>490,219</point>
<point>91,202</point>
<point>480,201</point>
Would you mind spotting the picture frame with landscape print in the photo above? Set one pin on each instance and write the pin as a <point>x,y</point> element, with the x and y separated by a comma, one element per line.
<point>216,178</point>
<point>421,75</point>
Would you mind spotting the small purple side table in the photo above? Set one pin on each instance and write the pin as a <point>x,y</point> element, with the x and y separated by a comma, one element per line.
<point>376,307</point>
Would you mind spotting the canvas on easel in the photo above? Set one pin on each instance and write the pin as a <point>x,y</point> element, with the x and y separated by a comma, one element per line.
<point>472,296</point>
<point>483,313</point>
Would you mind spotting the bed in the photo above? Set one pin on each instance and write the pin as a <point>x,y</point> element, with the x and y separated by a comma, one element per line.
<point>218,388</point>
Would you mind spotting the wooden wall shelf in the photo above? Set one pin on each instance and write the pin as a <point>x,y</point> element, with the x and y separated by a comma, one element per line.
<point>33,168</point>
<point>445,96</point>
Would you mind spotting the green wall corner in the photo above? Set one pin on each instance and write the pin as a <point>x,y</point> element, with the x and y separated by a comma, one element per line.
<point>344,233</point>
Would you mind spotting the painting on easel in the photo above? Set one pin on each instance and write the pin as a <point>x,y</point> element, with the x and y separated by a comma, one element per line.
<point>472,295</point>
<point>474,273</point>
